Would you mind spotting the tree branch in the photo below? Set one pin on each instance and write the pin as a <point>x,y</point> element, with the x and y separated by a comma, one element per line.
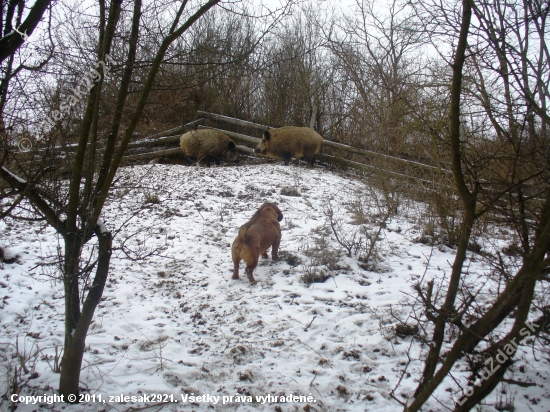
<point>35,197</point>
<point>10,42</point>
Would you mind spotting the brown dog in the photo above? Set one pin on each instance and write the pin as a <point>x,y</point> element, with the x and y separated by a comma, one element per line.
<point>255,237</point>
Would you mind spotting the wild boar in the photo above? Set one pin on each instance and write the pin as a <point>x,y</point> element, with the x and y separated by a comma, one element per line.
<point>291,141</point>
<point>209,145</point>
<point>257,235</point>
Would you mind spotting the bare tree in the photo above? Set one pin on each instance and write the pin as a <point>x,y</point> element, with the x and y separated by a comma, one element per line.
<point>76,216</point>
<point>377,50</point>
<point>487,152</point>
<point>295,78</point>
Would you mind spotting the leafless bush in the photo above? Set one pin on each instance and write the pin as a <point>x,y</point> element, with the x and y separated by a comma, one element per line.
<point>404,330</point>
<point>152,198</point>
<point>349,239</point>
<point>392,196</point>
<point>17,368</point>
<point>290,191</point>
<point>438,220</point>
<point>319,249</point>
<point>361,239</point>
<point>314,274</point>
<point>141,244</point>
<point>56,359</point>
<point>289,258</point>
<point>324,259</point>
<point>395,322</point>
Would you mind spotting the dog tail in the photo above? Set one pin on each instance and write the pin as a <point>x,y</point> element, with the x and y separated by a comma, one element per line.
<point>244,228</point>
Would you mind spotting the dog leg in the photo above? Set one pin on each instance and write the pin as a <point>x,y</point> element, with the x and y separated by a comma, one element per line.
<point>249,271</point>
<point>236,269</point>
<point>275,249</point>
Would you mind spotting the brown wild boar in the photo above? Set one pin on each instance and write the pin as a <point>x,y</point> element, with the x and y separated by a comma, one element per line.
<point>209,145</point>
<point>291,141</point>
<point>255,237</point>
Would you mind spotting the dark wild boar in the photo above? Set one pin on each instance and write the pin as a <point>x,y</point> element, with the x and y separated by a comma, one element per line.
<point>209,145</point>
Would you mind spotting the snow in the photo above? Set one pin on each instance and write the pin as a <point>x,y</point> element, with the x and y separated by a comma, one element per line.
<point>102,227</point>
<point>172,321</point>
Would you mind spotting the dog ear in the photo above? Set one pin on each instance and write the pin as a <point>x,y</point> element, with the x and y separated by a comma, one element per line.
<point>279,214</point>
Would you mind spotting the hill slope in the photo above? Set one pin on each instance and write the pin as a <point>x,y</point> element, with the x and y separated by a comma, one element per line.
<point>175,323</point>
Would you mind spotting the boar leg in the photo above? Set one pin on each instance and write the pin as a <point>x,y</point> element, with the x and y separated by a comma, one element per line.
<point>286,158</point>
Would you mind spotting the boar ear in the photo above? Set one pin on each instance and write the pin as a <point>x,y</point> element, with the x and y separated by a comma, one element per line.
<point>267,135</point>
<point>231,145</point>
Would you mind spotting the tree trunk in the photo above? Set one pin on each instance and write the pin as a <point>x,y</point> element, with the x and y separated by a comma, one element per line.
<point>75,338</point>
<point>73,353</point>
<point>70,281</point>
<point>468,199</point>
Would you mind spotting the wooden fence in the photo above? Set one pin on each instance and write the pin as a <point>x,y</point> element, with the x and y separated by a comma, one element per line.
<point>389,165</point>
<point>166,144</point>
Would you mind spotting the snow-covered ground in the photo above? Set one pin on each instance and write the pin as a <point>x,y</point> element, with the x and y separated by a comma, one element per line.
<point>173,322</point>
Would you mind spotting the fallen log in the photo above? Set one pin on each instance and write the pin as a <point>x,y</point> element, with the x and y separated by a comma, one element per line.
<point>175,151</point>
<point>177,130</point>
<point>156,142</point>
<point>168,136</point>
<point>238,136</point>
<point>364,167</point>
<point>232,120</point>
<point>350,149</point>
<point>150,155</point>
<point>248,150</point>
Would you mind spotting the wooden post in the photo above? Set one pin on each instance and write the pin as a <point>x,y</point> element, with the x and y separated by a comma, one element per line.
<point>313,116</point>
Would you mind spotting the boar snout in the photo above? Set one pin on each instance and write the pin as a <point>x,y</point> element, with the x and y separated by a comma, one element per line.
<point>260,148</point>
<point>231,157</point>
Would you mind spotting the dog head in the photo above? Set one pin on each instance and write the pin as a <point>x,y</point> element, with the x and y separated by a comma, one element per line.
<point>268,208</point>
